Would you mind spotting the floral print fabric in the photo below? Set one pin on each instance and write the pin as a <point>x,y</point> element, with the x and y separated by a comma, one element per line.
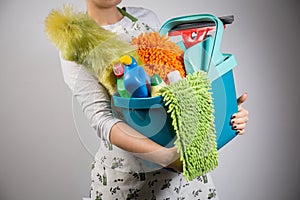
<point>111,183</point>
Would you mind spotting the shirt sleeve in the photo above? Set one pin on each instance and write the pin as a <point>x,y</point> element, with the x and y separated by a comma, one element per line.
<point>92,97</point>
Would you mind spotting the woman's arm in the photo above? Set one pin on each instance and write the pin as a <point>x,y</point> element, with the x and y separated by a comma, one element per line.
<point>91,96</point>
<point>131,140</point>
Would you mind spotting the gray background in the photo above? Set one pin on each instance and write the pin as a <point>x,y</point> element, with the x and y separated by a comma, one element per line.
<point>46,144</point>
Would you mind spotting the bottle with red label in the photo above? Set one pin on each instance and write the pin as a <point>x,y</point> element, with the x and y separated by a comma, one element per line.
<point>119,72</point>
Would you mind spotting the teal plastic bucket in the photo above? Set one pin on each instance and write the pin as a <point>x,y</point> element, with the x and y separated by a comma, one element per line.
<point>149,117</point>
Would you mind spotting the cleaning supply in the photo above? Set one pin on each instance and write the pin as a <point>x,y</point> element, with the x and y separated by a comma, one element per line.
<point>159,54</point>
<point>135,78</point>
<point>156,84</point>
<point>80,39</point>
<point>190,105</point>
<point>118,69</point>
<point>174,76</point>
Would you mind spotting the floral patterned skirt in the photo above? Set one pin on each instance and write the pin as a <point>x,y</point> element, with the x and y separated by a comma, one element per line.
<point>163,184</point>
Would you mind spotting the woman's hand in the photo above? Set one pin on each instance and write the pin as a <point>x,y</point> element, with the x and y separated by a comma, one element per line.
<point>240,119</point>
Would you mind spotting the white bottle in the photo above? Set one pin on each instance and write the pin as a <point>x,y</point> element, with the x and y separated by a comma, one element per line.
<point>174,76</point>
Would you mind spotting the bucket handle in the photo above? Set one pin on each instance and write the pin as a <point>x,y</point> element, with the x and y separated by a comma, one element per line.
<point>170,24</point>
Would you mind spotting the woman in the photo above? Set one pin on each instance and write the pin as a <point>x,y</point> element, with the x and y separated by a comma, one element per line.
<point>119,170</point>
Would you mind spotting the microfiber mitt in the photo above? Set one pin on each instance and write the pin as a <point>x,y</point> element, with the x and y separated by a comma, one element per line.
<point>82,40</point>
<point>190,105</point>
<point>160,54</point>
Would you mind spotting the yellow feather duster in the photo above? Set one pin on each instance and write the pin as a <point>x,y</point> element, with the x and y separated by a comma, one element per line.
<point>82,40</point>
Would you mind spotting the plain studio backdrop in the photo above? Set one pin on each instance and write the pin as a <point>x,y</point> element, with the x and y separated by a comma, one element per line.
<point>47,146</point>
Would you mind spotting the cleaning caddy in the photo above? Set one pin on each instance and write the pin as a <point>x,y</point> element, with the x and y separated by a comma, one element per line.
<point>201,52</point>
<point>193,103</point>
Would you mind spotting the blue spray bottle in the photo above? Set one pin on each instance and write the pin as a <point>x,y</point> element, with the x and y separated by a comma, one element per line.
<point>135,78</point>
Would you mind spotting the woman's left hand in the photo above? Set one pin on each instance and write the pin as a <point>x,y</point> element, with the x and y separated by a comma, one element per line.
<point>240,119</point>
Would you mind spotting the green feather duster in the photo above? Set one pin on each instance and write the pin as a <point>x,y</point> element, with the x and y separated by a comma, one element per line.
<point>82,40</point>
<point>190,105</point>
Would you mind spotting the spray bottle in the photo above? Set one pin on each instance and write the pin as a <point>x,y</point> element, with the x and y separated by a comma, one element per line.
<point>135,78</point>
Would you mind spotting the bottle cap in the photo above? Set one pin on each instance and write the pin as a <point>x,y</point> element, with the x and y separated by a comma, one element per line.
<point>118,69</point>
<point>174,76</point>
<point>126,60</point>
<point>155,80</point>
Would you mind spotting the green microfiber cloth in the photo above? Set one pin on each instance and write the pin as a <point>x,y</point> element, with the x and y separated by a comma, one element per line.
<point>190,105</point>
<point>82,40</point>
